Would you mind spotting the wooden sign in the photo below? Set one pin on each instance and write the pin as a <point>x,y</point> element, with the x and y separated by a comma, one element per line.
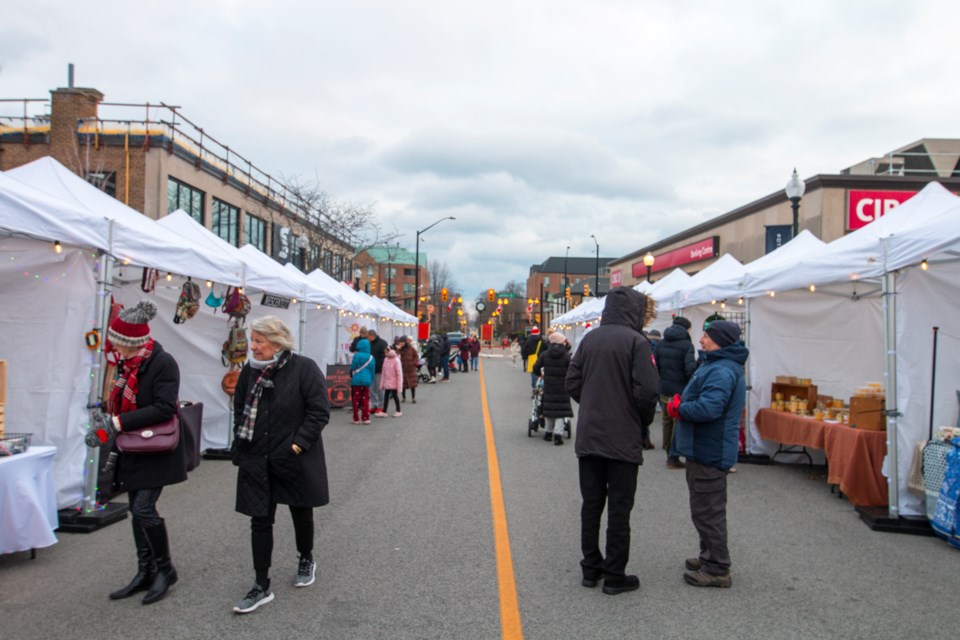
<point>276,302</point>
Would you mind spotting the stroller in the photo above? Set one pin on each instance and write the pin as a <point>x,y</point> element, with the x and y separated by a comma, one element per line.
<point>536,420</point>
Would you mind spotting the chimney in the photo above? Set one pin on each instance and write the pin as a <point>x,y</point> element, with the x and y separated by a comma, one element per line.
<point>67,106</point>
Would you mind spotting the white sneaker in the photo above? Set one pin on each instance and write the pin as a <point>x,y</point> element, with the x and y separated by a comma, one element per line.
<point>254,599</point>
<point>397,414</point>
<point>380,414</point>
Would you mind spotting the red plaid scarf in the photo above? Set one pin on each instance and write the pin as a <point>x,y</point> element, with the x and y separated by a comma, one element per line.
<point>123,398</point>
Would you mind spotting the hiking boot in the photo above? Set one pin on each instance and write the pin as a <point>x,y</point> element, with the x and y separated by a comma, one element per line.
<point>674,462</point>
<point>627,583</point>
<point>557,439</point>
<point>306,573</point>
<point>703,579</point>
<point>256,597</point>
<point>692,564</point>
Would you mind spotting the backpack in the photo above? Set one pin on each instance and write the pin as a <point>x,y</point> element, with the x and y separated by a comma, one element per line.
<point>189,302</point>
<point>237,304</point>
<point>235,347</point>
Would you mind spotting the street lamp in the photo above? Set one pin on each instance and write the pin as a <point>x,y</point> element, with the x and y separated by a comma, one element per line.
<point>795,188</point>
<point>416,282</point>
<point>596,268</point>
<point>564,292</point>
<point>356,279</point>
<point>648,261</point>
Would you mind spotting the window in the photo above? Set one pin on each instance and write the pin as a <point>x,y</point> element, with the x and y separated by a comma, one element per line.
<point>314,257</point>
<point>408,288</point>
<point>225,221</point>
<point>327,260</point>
<point>546,281</point>
<point>106,181</point>
<point>337,265</point>
<point>180,195</point>
<point>370,271</point>
<point>412,273</point>
<point>257,232</point>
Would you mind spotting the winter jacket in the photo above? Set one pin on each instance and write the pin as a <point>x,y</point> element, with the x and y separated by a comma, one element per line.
<point>353,345</point>
<point>432,352</point>
<point>378,349</point>
<point>553,366</point>
<point>362,376</point>
<point>474,347</point>
<point>392,375</point>
<point>676,360</point>
<point>708,430</point>
<point>409,359</point>
<point>157,393</point>
<point>294,411</point>
<point>529,347</point>
<point>613,378</point>
<point>465,350</point>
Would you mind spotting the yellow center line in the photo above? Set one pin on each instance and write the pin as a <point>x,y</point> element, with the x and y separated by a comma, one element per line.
<point>510,626</point>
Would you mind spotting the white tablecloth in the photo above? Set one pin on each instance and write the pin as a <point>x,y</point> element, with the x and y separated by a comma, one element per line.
<point>28,500</point>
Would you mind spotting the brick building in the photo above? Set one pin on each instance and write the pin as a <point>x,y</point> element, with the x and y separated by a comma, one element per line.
<point>390,273</point>
<point>156,161</point>
<point>546,281</point>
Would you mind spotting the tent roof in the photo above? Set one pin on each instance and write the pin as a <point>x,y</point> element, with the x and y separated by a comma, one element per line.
<point>702,287</point>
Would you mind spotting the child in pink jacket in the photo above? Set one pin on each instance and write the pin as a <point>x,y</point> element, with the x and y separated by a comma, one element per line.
<point>391,381</point>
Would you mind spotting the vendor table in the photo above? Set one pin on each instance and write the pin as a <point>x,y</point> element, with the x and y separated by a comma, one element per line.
<point>854,456</point>
<point>28,501</point>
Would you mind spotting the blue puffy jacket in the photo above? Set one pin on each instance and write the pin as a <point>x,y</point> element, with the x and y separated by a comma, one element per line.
<point>362,376</point>
<point>708,430</point>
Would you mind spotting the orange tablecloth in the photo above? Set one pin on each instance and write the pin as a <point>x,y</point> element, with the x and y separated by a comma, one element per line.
<point>854,456</point>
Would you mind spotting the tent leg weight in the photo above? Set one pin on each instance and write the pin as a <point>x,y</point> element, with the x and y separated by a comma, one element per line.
<point>75,521</point>
<point>878,519</point>
<point>753,458</point>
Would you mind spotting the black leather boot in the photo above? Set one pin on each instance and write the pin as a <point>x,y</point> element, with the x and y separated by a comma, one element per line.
<point>166,575</point>
<point>146,568</point>
<point>557,439</point>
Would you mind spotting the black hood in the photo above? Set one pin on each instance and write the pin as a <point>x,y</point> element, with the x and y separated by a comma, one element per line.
<point>675,332</point>
<point>628,307</point>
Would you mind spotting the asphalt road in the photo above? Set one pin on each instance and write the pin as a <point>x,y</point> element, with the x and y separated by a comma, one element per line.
<point>406,548</point>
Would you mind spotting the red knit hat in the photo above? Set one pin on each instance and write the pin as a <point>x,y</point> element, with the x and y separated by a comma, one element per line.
<point>535,331</point>
<point>130,328</point>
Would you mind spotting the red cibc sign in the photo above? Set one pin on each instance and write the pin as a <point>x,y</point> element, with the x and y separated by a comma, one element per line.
<point>863,207</point>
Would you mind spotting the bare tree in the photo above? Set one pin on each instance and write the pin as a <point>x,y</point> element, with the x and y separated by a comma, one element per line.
<point>517,288</point>
<point>440,277</point>
<point>340,227</point>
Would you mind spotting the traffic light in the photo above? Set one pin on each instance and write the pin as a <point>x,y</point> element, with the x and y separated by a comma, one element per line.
<point>444,295</point>
<point>586,289</point>
<point>491,295</point>
<point>383,289</point>
<point>566,293</point>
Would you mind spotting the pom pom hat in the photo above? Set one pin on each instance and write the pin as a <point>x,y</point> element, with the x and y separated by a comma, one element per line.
<point>535,331</point>
<point>130,328</point>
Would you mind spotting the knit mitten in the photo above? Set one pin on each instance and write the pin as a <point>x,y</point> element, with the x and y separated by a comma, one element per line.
<point>101,429</point>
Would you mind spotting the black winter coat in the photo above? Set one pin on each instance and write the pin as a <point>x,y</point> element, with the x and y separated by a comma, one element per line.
<point>676,360</point>
<point>157,393</point>
<point>378,349</point>
<point>294,411</point>
<point>432,353</point>
<point>553,366</point>
<point>614,379</point>
<point>529,347</point>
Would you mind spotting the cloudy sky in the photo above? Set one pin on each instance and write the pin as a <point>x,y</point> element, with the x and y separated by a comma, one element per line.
<point>535,123</point>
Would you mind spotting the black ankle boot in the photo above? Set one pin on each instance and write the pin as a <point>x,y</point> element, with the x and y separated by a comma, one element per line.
<point>146,569</point>
<point>166,575</point>
<point>557,439</point>
<point>548,436</point>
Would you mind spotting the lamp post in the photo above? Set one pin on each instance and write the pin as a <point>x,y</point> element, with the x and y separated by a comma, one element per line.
<point>416,282</point>
<point>564,292</point>
<point>596,268</point>
<point>356,279</point>
<point>648,261</point>
<point>795,188</point>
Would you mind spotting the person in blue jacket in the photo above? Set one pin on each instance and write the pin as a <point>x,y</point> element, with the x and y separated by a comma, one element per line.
<point>362,370</point>
<point>707,433</point>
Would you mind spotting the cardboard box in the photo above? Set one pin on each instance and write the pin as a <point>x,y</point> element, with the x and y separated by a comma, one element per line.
<point>868,413</point>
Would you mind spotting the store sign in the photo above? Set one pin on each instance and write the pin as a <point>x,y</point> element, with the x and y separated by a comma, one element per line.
<point>702,250</point>
<point>338,384</point>
<point>863,207</point>
<point>275,302</point>
<point>777,236</point>
<point>616,278</point>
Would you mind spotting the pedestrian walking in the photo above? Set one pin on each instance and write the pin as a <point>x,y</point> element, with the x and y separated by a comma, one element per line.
<point>445,357</point>
<point>280,409</point>
<point>144,394</point>
<point>464,354</point>
<point>432,353</point>
<point>613,378</point>
<point>409,360</point>
<point>391,382</point>
<point>708,435</point>
<point>361,379</point>
<point>552,365</point>
<point>676,362</point>
<point>474,352</point>
<point>378,349</point>
<point>532,346</point>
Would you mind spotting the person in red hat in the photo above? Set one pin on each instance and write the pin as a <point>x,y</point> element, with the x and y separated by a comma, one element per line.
<point>145,394</point>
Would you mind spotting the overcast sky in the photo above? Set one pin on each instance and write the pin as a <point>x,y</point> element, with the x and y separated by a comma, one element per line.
<point>535,123</point>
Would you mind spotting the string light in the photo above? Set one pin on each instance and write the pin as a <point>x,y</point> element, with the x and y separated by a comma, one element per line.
<point>58,247</point>
<point>773,293</point>
<point>169,276</point>
<point>924,265</point>
<point>209,284</point>
<point>813,288</point>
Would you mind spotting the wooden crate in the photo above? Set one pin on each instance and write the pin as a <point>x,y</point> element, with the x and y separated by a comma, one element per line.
<point>802,392</point>
<point>867,413</point>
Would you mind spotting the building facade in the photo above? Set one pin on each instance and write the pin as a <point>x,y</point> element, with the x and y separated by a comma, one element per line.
<point>545,284</point>
<point>831,206</point>
<point>391,273</point>
<point>156,161</point>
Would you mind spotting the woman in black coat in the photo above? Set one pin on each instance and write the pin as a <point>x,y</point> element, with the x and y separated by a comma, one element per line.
<point>145,394</point>
<point>553,365</point>
<point>280,408</point>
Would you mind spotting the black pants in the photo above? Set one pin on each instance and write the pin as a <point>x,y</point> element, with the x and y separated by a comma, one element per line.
<point>610,483</point>
<point>143,506</point>
<point>390,393</point>
<point>261,535</point>
<point>708,510</point>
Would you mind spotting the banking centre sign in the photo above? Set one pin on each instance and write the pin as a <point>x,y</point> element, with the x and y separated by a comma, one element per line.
<point>702,250</point>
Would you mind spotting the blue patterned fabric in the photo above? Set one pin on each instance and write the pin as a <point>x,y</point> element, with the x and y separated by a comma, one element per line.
<point>944,521</point>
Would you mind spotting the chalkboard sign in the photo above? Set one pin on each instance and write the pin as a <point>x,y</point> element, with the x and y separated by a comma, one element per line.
<point>276,302</point>
<point>338,385</point>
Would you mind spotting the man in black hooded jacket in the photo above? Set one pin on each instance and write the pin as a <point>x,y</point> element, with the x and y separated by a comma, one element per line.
<point>676,362</point>
<point>614,380</point>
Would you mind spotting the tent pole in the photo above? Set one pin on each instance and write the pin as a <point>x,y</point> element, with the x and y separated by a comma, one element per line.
<point>748,378</point>
<point>91,470</point>
<point>890,382</point>
<point>303,321</point>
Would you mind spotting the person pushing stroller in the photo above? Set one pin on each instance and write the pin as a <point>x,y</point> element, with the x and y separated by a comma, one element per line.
<point>552,364</point>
